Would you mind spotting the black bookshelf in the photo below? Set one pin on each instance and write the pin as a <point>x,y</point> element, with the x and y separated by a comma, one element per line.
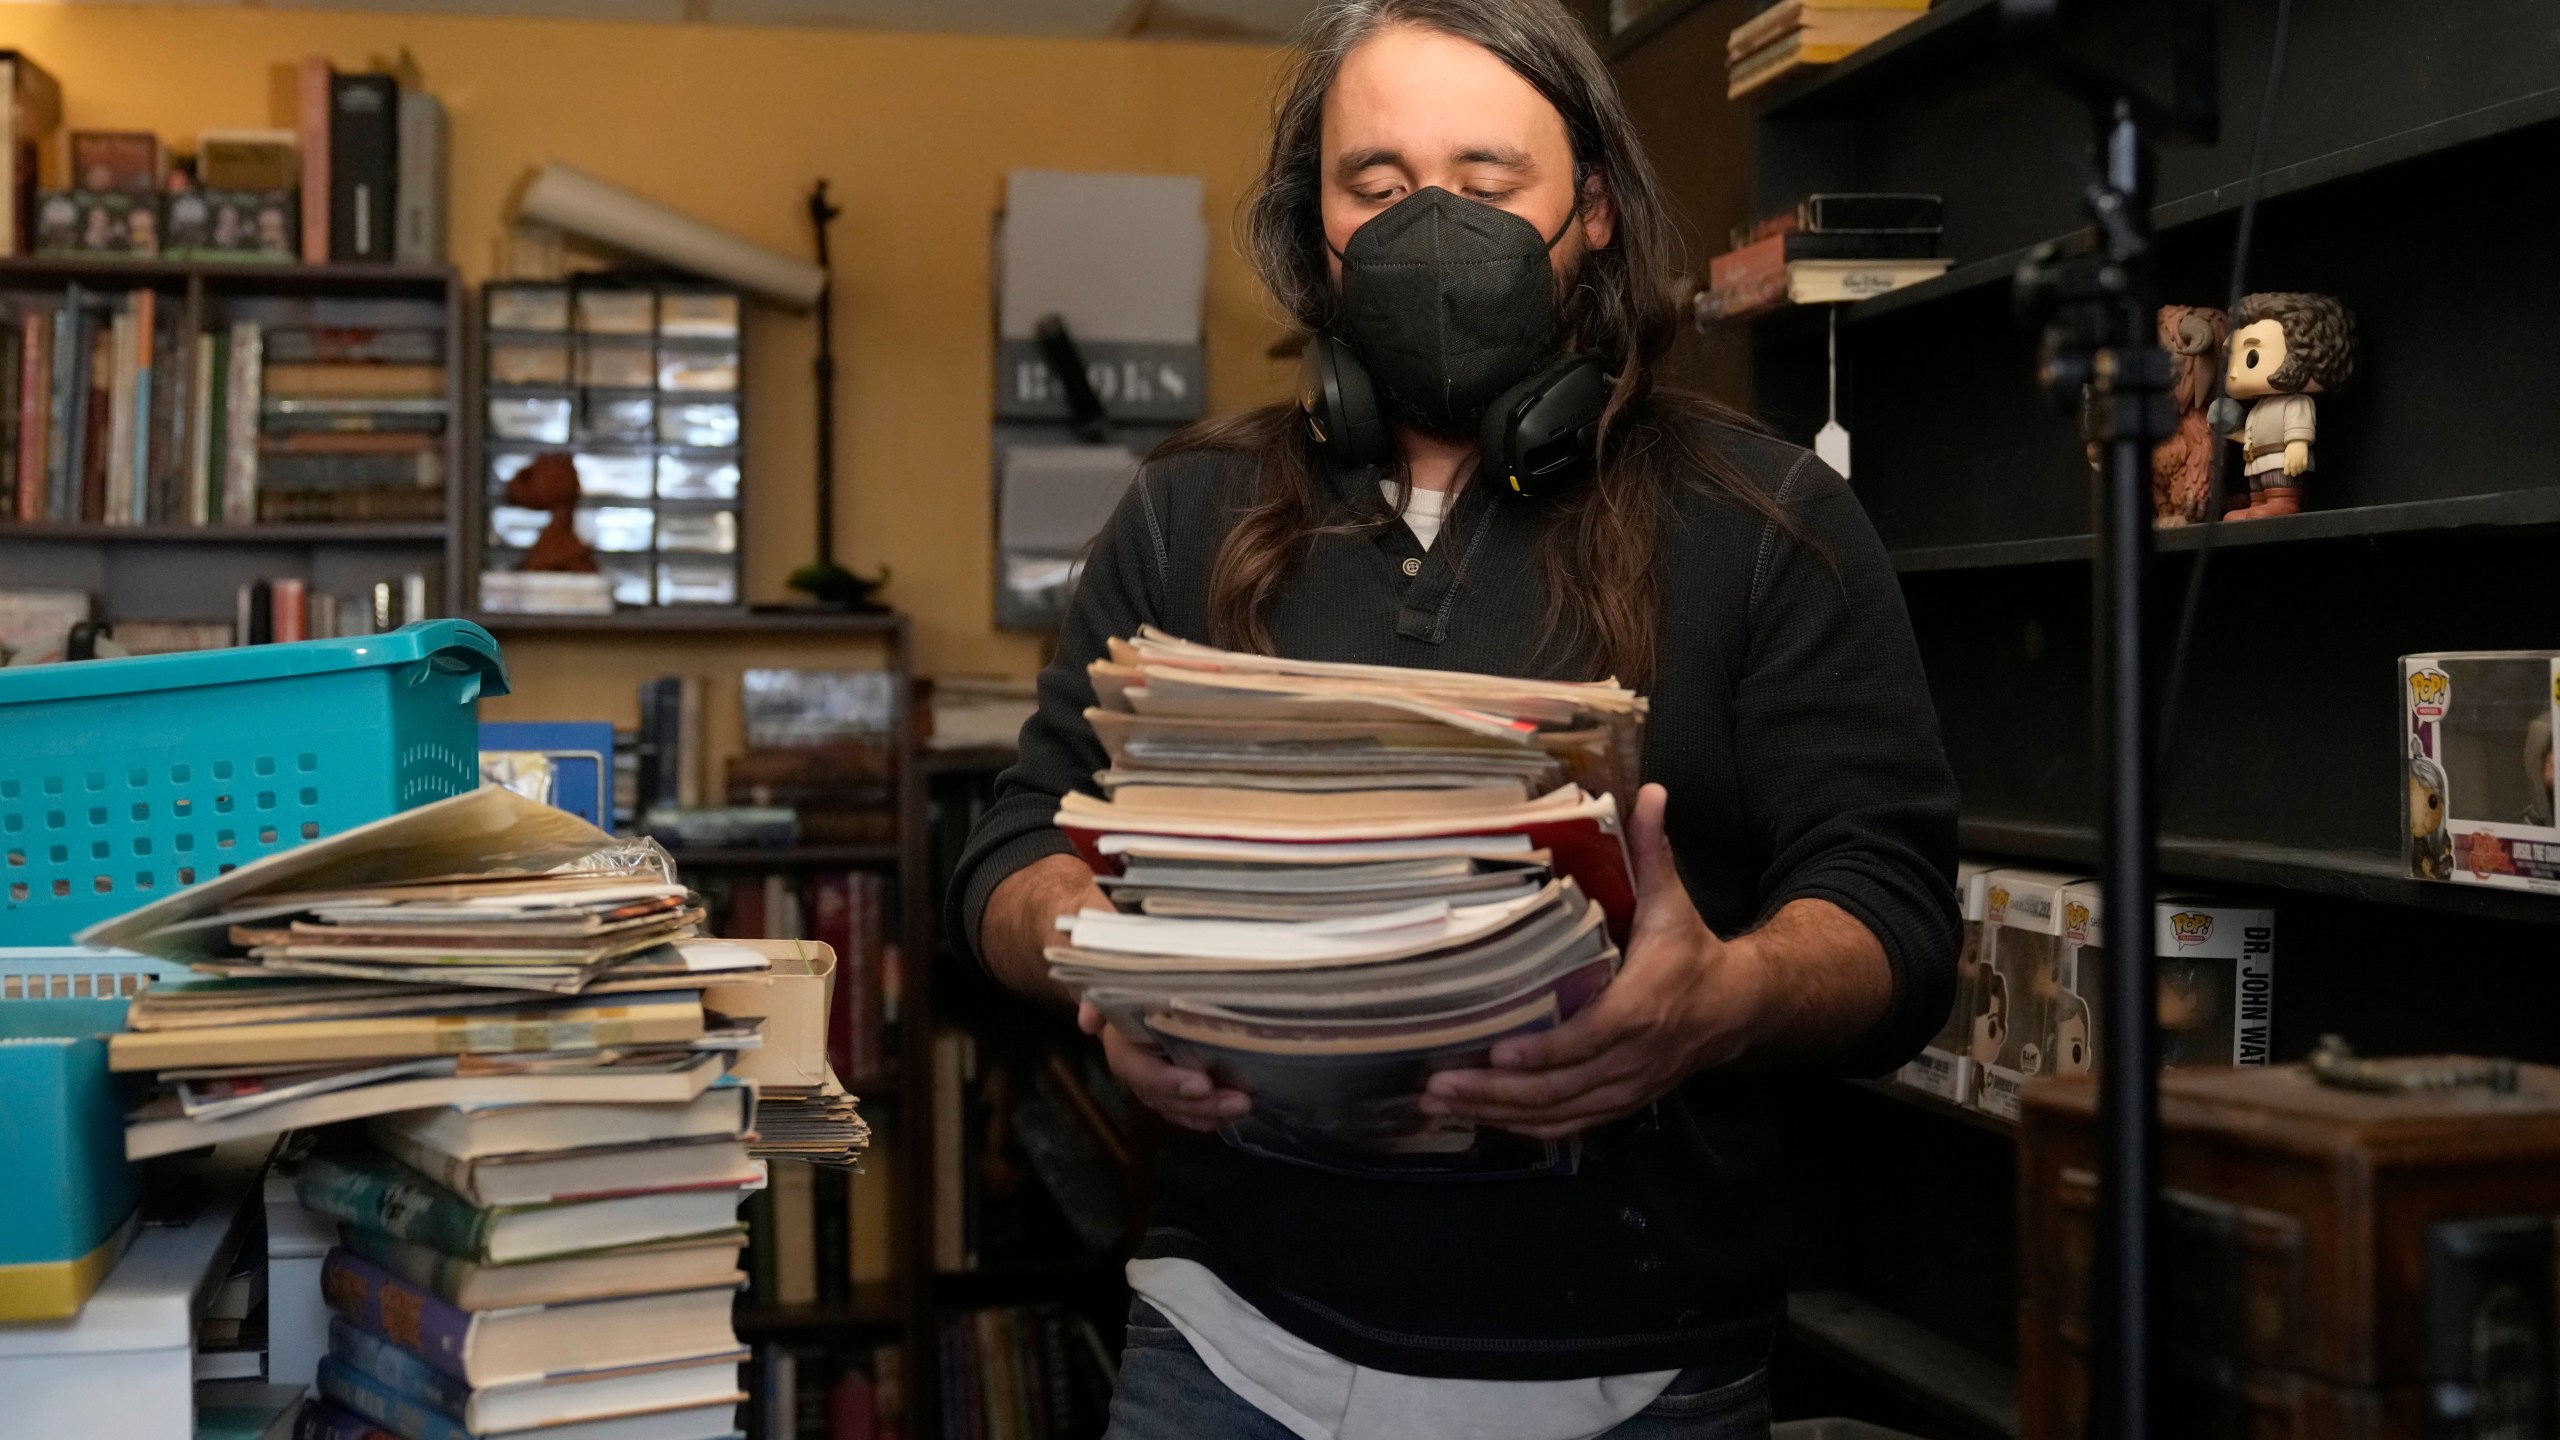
<point>873,1313</point>
<point>2433,501</point>
<point>178,571</point>
<point>2504,509</point>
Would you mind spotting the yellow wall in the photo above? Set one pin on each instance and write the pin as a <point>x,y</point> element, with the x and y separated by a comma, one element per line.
<point>916,133</point>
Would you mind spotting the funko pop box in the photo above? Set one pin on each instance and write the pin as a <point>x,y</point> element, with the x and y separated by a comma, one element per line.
<point>2477,805</point>
<point>1944,1067</point>
<point>2012,1033</point>
<point>2215,977</point>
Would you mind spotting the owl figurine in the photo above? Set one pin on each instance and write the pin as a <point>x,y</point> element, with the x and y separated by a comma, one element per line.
<point>2182,466</point>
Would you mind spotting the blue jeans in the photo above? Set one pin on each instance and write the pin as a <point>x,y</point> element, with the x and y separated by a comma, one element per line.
<point>1165,1392</point>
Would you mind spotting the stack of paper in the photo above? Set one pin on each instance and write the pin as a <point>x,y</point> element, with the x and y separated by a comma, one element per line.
<point>539,1210</point>
<point>1330,881</point>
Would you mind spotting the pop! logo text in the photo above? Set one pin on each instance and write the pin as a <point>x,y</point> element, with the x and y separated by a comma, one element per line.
<point>2427,690</point>
<point>2191,927</point>
<point>2075,922</point>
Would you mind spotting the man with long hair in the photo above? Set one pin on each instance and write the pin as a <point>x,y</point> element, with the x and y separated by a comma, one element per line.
<point>1455,199</point>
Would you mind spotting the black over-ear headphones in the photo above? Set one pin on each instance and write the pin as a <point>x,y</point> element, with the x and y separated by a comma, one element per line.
<point>1536,436</point>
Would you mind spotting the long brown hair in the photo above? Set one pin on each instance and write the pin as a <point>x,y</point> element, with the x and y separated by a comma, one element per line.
<point>1598,555</point>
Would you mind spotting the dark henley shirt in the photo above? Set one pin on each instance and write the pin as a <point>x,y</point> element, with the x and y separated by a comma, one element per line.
<point>1793,727</point>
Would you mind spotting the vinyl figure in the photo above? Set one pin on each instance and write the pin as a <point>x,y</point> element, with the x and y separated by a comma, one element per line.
<point>2071,1037</point>
<point>550,482</point>
<point>2182,490</point>
<point>2285,348</point>
<point>2430,847</point>
<point>1990,1017</point>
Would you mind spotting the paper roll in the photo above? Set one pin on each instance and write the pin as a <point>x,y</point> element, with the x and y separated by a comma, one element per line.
<point>584,205</point>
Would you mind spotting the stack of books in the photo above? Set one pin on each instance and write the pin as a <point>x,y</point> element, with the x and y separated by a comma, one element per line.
<point>540,1210</point>
<point>513,1267</point>
<point>1826,249</point>
<point>351,422</point>
<point>1330,881</point>
<point>1795,35</point>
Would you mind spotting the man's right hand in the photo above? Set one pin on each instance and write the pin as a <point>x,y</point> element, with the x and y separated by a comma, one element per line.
<point>1187,1097</point>
<point>1021,921</point>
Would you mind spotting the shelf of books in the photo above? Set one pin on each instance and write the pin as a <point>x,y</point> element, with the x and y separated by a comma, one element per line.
<point>199,454</point>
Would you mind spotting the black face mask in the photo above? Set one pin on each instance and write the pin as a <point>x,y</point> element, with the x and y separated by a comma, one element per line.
<point>1448,303</point>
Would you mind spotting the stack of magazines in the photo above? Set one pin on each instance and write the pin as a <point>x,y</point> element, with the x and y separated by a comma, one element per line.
<point>539,1211</point>
<point>1330,881</point>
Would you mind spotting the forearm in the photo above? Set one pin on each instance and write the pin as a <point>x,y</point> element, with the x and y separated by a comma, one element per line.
<point>1819,982</point>
<point>1020,923</point>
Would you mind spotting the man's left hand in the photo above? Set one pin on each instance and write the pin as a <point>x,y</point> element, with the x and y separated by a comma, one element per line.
<point>1683,1000</point>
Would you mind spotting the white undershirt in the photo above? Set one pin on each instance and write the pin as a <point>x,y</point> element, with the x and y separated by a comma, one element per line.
<point>1423,510</point>
<point>1320,1396</point>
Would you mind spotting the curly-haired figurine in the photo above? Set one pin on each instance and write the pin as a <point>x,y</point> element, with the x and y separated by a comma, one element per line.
<point>2182,465</point>
<point>2285,347</point>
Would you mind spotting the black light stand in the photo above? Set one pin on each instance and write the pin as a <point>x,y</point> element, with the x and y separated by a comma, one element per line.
<point>828,584</point>
<point>2100,357</point>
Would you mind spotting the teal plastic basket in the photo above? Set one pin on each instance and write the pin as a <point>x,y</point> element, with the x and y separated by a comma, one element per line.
<point>121,780</point>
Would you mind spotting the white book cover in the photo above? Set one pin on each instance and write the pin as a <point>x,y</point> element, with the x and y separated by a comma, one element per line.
<point>240,426</point>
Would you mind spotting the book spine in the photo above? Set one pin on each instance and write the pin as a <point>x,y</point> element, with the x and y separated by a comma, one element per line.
<point>420,192</point>
<point>198,428</point>
<point>397,1370</point>
<point>852,1407</point>
<point>12,214</point>
<point>145,325</point>
<point>312,111</point>
<point>326,1420</point>
<point>446,1275</point>
<point>831,924</point>
<point>1762,28</point>
<point>240,427</point>
<point>10,341</point>
<point>96,436</point>
<point>873,963</point>
<point>173,407</point>
<point>381,1304</point>
<point>289,602</point>
<point>384,1406</point>
<point>763,1275</point>
<point>450,1171</point>
<point>689,740</point>
<point>832,1216</point>
<point>354,345</point>
<point>35,411</point>
<point>119,496</point>
<point>62,464</point>
<point>391,1201</point>
<point>363,166</point>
